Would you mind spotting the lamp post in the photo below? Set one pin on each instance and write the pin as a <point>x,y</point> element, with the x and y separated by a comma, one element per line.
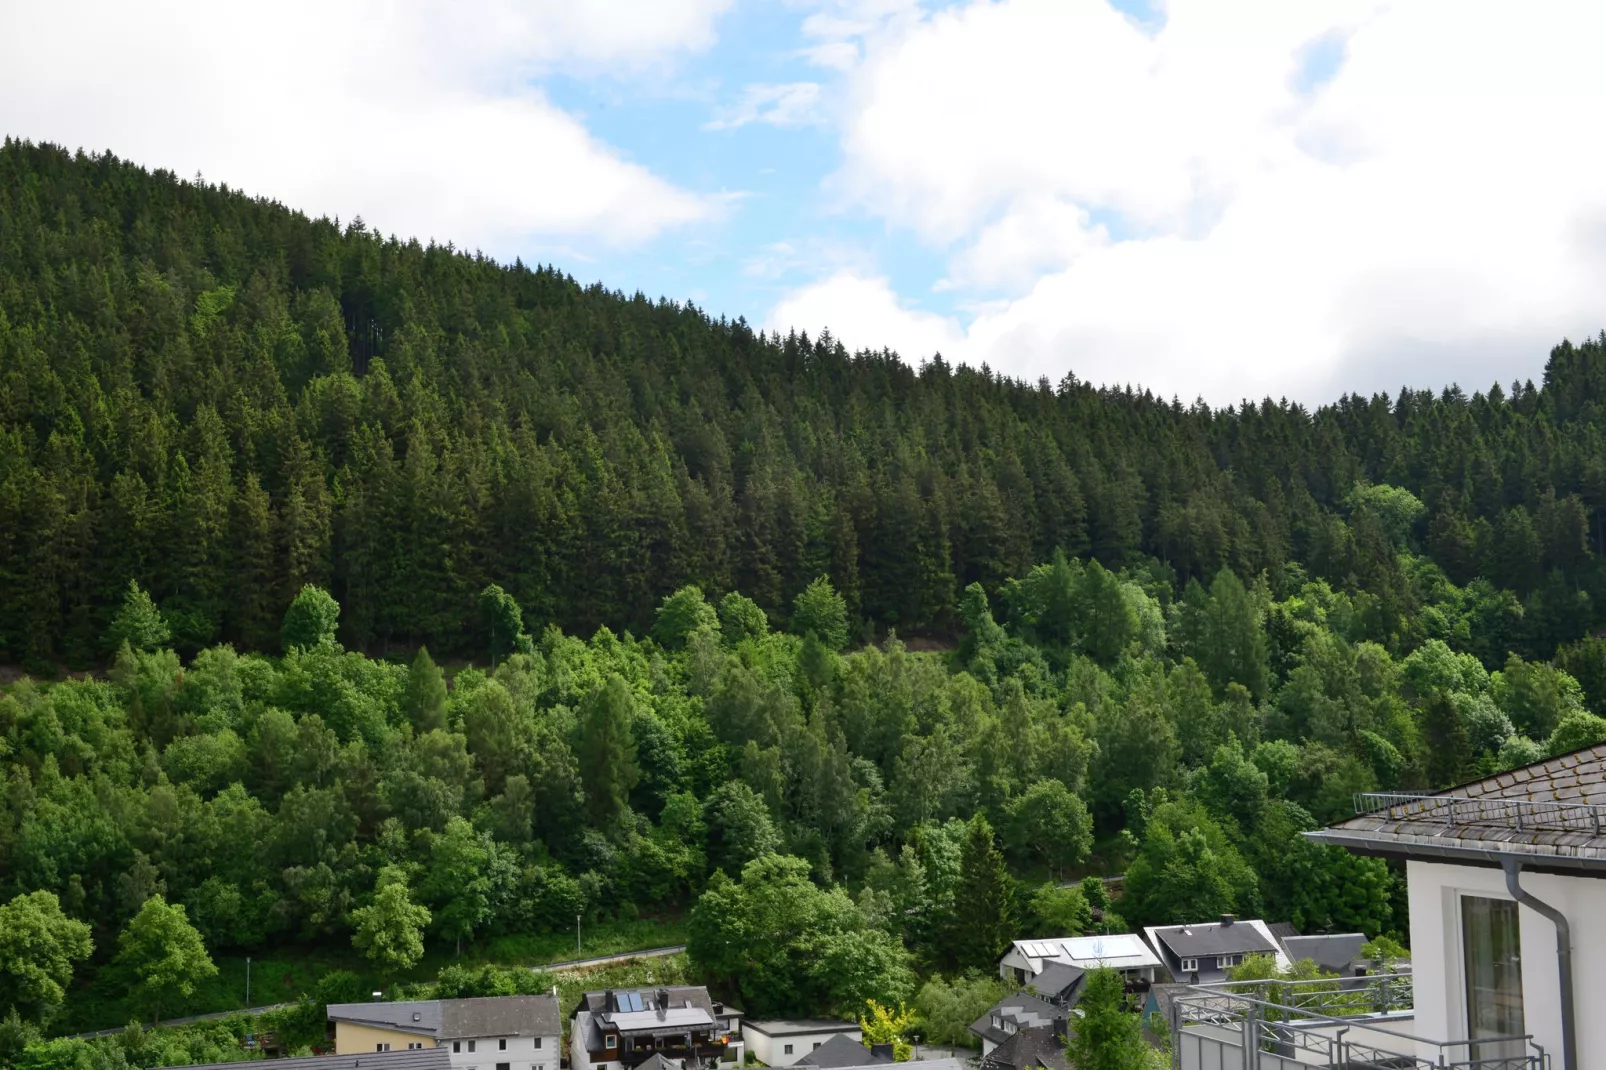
<point>577,936</point>
<point>248,980</point>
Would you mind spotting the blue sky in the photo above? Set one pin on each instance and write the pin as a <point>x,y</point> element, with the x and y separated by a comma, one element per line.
<point>1219,198</point>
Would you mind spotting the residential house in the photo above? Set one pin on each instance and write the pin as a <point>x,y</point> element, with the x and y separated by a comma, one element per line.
<point>841,1052</point>
<point>1507,908</point>
<point>1027,960</point>
<point>1037,1048</point>
<point>1202,953</point>
<point>783,1042</point>
<point>1338,953</point>
<point>621,1029</point>
<point>485,1033</point>
<point>1012,1014</point>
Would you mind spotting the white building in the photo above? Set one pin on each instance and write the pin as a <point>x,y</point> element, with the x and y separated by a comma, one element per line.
<point>1508,939</point>
<point>784,1042</point>
<point>487,1033</point>
<point>1027,959</point>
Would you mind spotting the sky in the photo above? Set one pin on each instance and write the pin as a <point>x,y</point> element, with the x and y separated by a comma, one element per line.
<point>1217,199</point>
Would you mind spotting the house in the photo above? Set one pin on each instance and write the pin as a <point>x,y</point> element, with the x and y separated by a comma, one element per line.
<point>1026,960</point>
<point>624,1029</point>
<point>1338,953</point>
<point>1202,953</point>
<point>1507,910</point>
<point>1037,1048</point>
<point>1059,984</point>
<point>784,1042</point>
<point>430,1058</point>
<point>1012,1014</point>
<point>486,1033</point>
<point>841,1052</point>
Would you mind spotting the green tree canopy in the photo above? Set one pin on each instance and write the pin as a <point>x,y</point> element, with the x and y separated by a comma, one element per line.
<point>39,947</point>
<point>607,750</point>
<point>823,612</point>
<point>311,619</point>
<point>163,955</point>
<point>682,613</point>
<point>390,930</point>
<point>138,623</point>
<point>1108,1035</point>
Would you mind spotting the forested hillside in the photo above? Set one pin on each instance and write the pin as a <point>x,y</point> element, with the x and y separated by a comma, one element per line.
<point>251,463</point>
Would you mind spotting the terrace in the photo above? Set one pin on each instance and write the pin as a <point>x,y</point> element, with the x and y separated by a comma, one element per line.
<point>1364,1023</point>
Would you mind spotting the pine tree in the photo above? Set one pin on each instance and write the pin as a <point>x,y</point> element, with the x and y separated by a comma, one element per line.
<point>607,751</point>
<point>426,693</point>
<point>983,919</point>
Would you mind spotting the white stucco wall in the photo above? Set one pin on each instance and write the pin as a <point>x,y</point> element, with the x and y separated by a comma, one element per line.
<point>523,1053</point>
<point>772,1050</point>
<point>1437,968</point>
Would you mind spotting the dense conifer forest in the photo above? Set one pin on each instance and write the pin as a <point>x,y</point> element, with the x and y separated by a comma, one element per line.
<point>860,667</point>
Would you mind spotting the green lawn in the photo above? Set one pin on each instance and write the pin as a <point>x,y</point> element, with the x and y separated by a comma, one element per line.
<point>100,999</point>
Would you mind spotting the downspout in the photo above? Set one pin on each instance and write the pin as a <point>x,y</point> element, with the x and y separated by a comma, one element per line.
<point>1564,957</point>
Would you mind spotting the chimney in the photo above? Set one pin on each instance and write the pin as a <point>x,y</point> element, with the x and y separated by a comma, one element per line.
<point>882,1052</point>
<point>1227,919</point>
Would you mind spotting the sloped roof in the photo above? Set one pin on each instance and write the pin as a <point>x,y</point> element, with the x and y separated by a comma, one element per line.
<point>446,1019</point>
<point>839,1052</point>
<point>1214,938</point>
<point>1116,950</point>
<point>1551,813</point>
<point>1057,980</point>
<point>1030,1049</point>
<point>417,1059</point>
<point>1333,952</point>
<point>655,1061</point>
<point>1022,1010</point>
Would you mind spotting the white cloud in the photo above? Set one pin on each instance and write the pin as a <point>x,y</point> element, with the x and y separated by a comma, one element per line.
<point>420,117</point>
<point>791,104</point>
<point>1433,212</point>
<point>862,312</point>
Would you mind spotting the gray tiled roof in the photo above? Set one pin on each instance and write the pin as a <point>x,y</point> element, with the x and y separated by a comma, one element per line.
<point>839,1052</point>
<point>1022,1010</point>
<point>418,1059</point>
<point>1057,980</point>
<point>446,1019</point>
<point>1030,1049</point>
<point>657,1062</point>
<point>1334,952</point>
<point>1528,812</point>
<point>1213,938</point>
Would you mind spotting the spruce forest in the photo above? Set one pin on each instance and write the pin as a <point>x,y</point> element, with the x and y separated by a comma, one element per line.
<point>362,594</point>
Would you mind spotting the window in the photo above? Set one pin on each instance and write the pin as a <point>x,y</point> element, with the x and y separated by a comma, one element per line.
<point>501,1044</point>
<point>1492,952</point>
<point>1190,965</point>
<point>415,1045</point>
<point>787,1050</point>
<point>457,1047</point>
<point>612,1041</point>
<point>1228,960</point>
<point>538,1048</point>
<point>381,1047</point>
<point>998,1023</point>
<point>471,1045</point>
<point>504,1066</point>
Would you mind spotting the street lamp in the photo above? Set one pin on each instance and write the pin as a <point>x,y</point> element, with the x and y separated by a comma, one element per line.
<point>577,936</point>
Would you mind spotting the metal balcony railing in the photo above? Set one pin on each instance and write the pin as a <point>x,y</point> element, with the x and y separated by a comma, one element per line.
<point>1452,810</point>
<point>1343,1023</point>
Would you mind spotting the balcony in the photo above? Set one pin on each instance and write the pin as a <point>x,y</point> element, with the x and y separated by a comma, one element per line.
<point>1358,1023</point>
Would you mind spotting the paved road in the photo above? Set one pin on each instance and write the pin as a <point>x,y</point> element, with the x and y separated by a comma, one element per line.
<point>193,1018</point>
<point>603,960</point>
<point>609,960</point>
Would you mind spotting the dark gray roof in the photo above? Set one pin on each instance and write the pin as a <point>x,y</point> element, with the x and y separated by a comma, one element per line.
<point>1333,952</point>
<point>1022,1010</point>
<point>1213,938</point>
<point>1282,930</point>
<point>421,1016</point>
<point>500,1016</point>
<point>418,1059</point>
<point>657,1062</point>
<point>1057,981</point>
<point>1551,813</point>
<point>1030,1049</point>
<point>445,1019</point>
<point>788,1027</point>
<point>839,1052</point>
